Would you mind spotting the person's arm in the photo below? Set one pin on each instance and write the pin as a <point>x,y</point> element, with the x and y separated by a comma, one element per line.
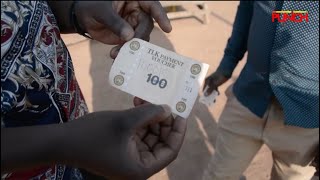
<point>61,11</point>
<point>237,43</point>
<point>235,49</point>
<point>28,147</point>
<point>114,144</point>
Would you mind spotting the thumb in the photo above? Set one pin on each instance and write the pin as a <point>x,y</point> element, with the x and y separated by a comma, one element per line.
<point>138,101</point>
<point>146,114</point>
<point>210,89</point>
<point>211,84</point>
<point>114,51</point>
<point>118,26</point>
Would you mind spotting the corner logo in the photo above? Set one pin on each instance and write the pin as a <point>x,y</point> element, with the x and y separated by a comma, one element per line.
<point>118,80</point>
<point>181,106</point>
<point>195,69</point>
<point>293,16</point>
<point>134,45</point>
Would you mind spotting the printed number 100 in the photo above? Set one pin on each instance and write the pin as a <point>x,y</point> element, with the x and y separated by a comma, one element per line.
<point>154,80</point>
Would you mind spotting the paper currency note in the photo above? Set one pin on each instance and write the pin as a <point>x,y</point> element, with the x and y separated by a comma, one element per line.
<point>158,75</point>
<point>209,100</point>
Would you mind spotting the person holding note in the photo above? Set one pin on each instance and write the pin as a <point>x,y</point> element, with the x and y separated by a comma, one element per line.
<point>275,100</point>
<point>47,132</point>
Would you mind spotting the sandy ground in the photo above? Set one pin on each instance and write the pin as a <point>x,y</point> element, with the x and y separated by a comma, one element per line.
<point>190,38</point>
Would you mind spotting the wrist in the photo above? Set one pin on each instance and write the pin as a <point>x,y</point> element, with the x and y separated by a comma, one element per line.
<point>41,146</point>
<point>227,66</point>
<point>77,143</point>
<point>77,25</point>
<point>223,73</point>
<point>68,147</point>
<point>60,9</point>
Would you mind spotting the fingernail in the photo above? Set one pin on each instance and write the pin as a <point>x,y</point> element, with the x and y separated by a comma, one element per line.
<point>127,34</point>
<point>169,28</point>
<point>114,53</point>
<point>166,108</point>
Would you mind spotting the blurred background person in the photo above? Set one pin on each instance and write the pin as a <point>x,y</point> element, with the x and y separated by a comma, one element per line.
<point>275,100</point>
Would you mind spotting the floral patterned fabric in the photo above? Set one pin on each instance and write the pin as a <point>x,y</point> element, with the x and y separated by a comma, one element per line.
<point>38,84</point>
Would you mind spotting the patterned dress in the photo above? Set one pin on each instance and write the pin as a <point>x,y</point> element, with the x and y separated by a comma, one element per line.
<point>38,84</point>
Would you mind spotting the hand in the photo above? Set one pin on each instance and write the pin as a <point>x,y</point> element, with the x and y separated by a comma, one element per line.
<point>115,22</point>
<point>315,162</point>
<point>130,144</point>
<point>213,82</point>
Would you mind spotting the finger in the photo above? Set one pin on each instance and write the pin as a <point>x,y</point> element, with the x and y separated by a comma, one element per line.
<point>117,25</point>
<point>205,83</point>
<point>141,145</point>
<point>155,128</point>
<point>138,101</point>
<point>158,146</point>
<point>179,125</point>
<point>176,136</point>
<point>158,13</point>
<point>164,132</point>
<point>114,51</point>
<point>167,122</point>
<point>141,133</point>
<point>165,128</point>
<point>210,89</point>
<point>160,157</point>
<point>145,27</point>
<point>146,114</point>
<point>150,140</point>
<point>164,155</point>
<point>147,38</point>
<point>148,159</point>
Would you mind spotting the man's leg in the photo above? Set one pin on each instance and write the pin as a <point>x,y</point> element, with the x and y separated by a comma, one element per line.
<point>293,147</point>
<point>238,141</point>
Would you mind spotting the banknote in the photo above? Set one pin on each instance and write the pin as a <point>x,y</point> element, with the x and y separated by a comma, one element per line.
<point>158,76</point>
<point>209,100</point>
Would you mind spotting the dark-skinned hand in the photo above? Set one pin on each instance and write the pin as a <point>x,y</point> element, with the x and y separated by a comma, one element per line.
<point>213,81</point>
<point>130,144</point>
<point>115,22</point>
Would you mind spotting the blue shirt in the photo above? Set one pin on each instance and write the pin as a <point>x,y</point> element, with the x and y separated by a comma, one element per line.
<point>283,60</point>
